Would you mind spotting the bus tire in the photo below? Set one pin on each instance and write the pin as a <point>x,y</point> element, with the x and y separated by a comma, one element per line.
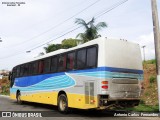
<point>63,103</point>
<point>19,101</point>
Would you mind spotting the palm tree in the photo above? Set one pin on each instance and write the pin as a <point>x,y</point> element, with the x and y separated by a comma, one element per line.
<point>91,30</point>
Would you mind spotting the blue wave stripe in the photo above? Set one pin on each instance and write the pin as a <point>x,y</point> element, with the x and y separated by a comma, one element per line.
<point>110,69</point>
<point>105,74</point>
<point>65,82</point>
<point>55,78</point>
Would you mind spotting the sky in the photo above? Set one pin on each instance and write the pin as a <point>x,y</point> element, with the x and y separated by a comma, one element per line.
<point>36,22</point>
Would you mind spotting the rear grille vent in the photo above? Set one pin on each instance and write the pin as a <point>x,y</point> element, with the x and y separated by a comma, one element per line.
<point>89,92</point>
<point>125,81</point>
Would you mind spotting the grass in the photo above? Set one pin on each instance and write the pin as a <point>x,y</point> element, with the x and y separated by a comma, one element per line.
<point>5,90</point>
<point>152,79</point>
<point>5,93</point>
<point>146,94</point>
<point>144,108</point>
<point>153,61</point>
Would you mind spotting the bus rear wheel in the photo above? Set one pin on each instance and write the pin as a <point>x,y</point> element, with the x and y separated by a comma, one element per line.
<point>63,103</point>
<point>19,101</point>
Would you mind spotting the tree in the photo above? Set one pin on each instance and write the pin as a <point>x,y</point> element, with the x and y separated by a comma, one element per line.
<point>91,30</point>
<point>52,47</point>
<point>66,43</point>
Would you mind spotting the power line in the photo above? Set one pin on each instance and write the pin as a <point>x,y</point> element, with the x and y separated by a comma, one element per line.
<point>108,10</point>
<point>114,6</point>
<point>56,38</point>
<point>20,52</point>
<point>57,25</point>
<point>99,15</point>
<point>60,13</point>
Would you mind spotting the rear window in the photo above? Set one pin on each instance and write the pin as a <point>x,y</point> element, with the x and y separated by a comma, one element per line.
<point>91,57</point>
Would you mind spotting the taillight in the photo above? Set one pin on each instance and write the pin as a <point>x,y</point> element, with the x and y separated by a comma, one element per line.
<point>105,87</point>
<point>104,84</point>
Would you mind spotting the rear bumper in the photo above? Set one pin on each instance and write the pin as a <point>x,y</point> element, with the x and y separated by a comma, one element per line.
<point>106,101</point>
<point>120,99</point>
<point>124,95</point>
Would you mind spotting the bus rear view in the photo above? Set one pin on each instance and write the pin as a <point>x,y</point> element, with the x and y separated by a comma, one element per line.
<point>122,74</point>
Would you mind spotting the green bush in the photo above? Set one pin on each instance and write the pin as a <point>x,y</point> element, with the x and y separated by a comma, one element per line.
<point>150,61</point>
<point>146,94</point>
<point>153,61</point>
<point>5,90</point>
<point>152,79</point>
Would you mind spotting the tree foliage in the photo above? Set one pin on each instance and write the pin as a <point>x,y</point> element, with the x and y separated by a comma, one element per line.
<point>52,47</point>
<point>90,33</point>
<point>91,30</point>
<point>66,43</point>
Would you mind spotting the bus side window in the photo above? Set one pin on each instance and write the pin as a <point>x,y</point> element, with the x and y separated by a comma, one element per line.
<point>47,63</point>
<point>21,70</point>
<point>81,59</point>
<point>54,63</point>
<point>30,69</point>
<point>35,67</point>
<point>71,61</point>
<point>62,63</point>
<point>25,69</point>
<point>41,66</point>
<point>18,71</point>
<point>13,77</point>
<point>91,57</point>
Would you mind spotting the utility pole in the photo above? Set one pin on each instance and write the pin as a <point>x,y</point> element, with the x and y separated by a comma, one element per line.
<point>0,39</point>
<point>144,53</point>
<point>156,42</point>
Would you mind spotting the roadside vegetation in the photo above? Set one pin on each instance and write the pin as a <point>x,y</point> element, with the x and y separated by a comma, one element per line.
<point>4,86</point>
<point>144,108</point>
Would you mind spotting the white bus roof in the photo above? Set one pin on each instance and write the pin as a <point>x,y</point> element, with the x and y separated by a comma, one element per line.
<point>100,40</point>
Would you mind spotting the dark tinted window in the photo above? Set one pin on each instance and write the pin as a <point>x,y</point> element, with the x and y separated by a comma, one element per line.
<point>35,68</point>
<point>41,66</point>
<point>18,71</point>
<point>25,70</point>
<point>71,61</point>
<point>62,63</point>
<point>47,63</point>
<point>81,58</point>
<point>91,57</point>
<point>13,76</point>
<point>54,64</point>
<point>14,72</point>
<point>30,68</point>
<point>21,70</point>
